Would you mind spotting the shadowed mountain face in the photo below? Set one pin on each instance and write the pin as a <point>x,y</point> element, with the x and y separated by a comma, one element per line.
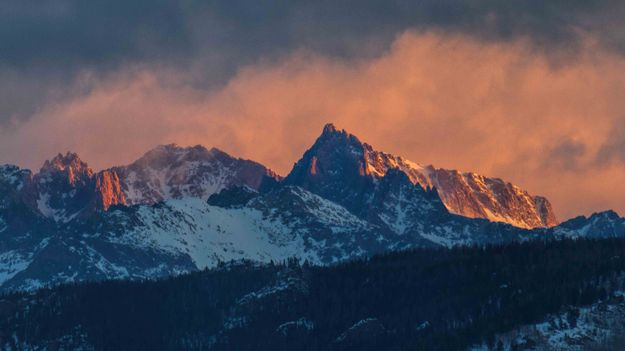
<point>342,168</point>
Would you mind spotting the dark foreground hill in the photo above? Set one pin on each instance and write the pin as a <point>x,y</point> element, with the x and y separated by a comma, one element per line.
<point>425,299</point>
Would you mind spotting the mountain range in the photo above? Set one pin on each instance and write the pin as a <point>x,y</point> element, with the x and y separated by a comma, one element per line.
<point>180,209</point>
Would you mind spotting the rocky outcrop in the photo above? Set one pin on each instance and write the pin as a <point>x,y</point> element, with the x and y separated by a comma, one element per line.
<point>108,190</point>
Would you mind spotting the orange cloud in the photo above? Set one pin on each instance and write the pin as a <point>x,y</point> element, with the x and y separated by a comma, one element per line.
<point>500,109</point>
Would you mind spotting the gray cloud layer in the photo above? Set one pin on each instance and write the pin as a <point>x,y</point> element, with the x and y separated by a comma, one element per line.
<point>62,32</point>
<point>45,46</point>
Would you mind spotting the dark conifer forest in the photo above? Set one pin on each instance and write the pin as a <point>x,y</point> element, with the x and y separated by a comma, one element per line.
<point>425,299</point>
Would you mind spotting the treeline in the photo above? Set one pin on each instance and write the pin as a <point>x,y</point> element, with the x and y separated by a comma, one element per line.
<point>424,299</point>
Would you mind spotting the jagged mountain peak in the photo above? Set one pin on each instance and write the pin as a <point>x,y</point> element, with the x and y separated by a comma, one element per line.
<point>329,128</point>
<point>338,160</point>
<point>339,148</point>
<point>69,162</point>
<point>332,135</point>
<point>62,161</point>
<point>63,188</point>
<point>68,168</point>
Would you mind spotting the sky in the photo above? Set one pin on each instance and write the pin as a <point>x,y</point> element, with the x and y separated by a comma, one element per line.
<point>529,91</point>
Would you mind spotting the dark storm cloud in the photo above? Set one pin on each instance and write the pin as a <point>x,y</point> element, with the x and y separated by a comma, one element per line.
<point>104,32</point>
<point>67,33</point>
<point>45,45</point>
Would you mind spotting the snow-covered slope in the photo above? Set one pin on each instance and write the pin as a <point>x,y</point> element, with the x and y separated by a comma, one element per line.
<point>182,235</point>
<point>209,234</point>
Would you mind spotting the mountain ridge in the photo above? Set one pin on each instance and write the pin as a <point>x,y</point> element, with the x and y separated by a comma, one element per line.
<point>66,187</point>
<point>172,171</point>
<point>351,202</point>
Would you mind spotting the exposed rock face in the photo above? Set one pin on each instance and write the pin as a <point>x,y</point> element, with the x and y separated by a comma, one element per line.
<point>473,195</point>
<point>545,211</point>
<point>342,168</point>
<point>108,190</point>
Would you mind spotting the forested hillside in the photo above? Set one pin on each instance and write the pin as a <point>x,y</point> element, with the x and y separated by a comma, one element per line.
<point>425,299</point>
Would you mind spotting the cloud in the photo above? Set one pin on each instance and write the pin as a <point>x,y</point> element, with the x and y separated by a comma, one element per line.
<point>498,108</point>
<point>49,44</point>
